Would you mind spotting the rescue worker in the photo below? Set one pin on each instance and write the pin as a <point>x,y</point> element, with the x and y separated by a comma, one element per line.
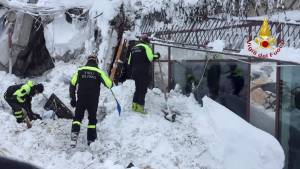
<point>237,79</point>
<point>19,98</point>
<point>213,80</point>
<point>140,60</point>
<point>191,81</point>
<point>88,79</point>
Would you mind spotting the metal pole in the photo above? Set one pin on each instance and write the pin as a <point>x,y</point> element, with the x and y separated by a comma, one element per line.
<point>10,48</point>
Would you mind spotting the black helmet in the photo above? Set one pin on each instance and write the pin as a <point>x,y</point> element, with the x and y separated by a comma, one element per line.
<point>232,67</point>
<point>93,58</point>
<point>144,38</point>
<point>39,88</point>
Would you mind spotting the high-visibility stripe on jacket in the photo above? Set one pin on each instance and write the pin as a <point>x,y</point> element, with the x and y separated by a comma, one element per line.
<point>148,50</point>
<point>23,91</point>
<point>105,78</point>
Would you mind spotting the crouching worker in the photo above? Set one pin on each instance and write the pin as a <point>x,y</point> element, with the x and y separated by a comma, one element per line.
<point>88,79</point>
<point>19,98</point>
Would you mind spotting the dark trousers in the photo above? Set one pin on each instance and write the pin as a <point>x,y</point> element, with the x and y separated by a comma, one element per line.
<point>89,103</point>
<point>16,107</point>
<point>213,79</point>
<point>141,84</point>
<point>238,84</point>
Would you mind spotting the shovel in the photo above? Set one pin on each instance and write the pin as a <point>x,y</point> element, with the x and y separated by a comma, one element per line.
<point>168,114</point>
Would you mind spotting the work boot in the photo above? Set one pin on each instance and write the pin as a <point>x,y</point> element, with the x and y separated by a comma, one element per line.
<point>74,137</point>
<point>140,109</point>
<point>90,142</point>
<point>133,107</point>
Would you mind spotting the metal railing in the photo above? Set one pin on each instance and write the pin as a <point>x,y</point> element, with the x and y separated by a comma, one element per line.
<point>235,33</point>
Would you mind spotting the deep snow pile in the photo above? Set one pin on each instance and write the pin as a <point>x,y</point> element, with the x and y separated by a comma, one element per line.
<point>210,137</point>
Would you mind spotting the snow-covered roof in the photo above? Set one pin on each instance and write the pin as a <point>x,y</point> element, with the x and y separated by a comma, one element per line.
<point>292,16</point>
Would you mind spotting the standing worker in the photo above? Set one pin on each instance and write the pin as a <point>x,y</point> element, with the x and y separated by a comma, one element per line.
<point>237,79</point>
<point>19,98</point>
<point>88,78</point>
<point>140,60</point>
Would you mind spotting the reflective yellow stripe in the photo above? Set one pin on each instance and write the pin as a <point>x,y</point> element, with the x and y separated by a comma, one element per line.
<point>30,83</point>
<point>149,51</point>
<point>20,100</point>
<point>74,78</point>
<point>107,81</point>
<point>77,122</point>
<point>91,126</point>
<point>24,90</point>
<point>129,60</point>
<point>18,112</point>
<point>19,116</point>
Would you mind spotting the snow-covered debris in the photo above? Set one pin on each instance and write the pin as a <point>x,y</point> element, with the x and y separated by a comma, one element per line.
<point>209,136</point>
<point>73,37</point>
<point>292,16</point>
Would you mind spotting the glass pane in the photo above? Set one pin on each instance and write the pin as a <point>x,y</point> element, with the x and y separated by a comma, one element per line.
<point>225,82</point>
<point>290,115</point>
<point>163,50</point>
<point>186,54</point>
<point>263,96</point>
<point>157,75</point>
<point>186,75</point>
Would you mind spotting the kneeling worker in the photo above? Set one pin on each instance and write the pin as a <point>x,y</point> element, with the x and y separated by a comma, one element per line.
<point>19,98</point>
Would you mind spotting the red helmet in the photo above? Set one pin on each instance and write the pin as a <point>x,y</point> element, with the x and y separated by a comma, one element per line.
<point>144,38</point>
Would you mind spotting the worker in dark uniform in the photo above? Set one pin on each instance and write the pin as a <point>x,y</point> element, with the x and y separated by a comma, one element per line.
<point>88,79</point>
<point>213,80</point>
<point>191,81</point>
<point>237,79</point>
<point>19,98</point>
<point>140,60</point>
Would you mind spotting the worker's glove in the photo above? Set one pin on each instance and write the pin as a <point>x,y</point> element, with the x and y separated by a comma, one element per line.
<point>73,103</point>
<point>34,116</point>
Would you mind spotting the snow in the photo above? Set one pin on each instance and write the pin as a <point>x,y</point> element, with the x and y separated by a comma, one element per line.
<point>51,3</point>
<point>209,136</point>
<point>292,16</point>
<point>73,37</point>
<point>217,45</point>
<point>79,35</point>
